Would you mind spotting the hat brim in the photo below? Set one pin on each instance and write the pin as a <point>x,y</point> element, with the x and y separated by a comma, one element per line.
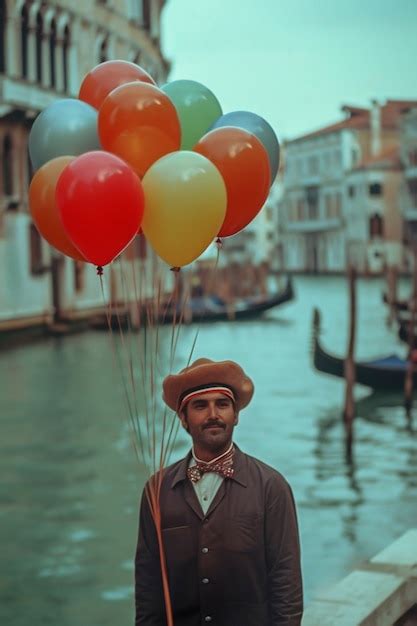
<point>226,373</point>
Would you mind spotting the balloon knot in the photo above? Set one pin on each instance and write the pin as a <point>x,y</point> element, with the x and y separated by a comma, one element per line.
<point>99,270</point>
<point>219,243</point>
<point>175,269</point>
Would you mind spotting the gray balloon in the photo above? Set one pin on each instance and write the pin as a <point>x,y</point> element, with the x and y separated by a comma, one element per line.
<point>66,127</point>
<point>259,127</point>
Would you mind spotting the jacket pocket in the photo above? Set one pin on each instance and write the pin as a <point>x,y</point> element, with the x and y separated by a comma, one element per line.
<point>179,544</point>
<point>244,533</point>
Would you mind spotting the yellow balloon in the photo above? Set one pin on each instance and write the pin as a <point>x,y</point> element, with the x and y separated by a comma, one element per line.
<point>185,206</point>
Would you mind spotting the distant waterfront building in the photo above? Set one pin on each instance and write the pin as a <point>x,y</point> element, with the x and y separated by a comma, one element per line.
<point>408,193</point>
<point>46,48</point>
<point>341,187</point>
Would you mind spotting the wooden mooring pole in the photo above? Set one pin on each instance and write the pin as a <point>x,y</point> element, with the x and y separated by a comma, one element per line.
<point>392,281</point>
<point>408,383</point>
<point>350,374</point>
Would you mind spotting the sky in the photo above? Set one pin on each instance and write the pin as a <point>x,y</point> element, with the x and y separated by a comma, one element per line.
<point>294,62</point>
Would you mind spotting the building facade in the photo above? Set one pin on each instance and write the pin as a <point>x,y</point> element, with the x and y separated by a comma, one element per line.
<point>341,186</point>
<point>408,190</point>
<point>46,49</point>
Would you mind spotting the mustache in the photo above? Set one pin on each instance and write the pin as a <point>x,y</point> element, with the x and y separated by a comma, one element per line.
<point>218,423</point>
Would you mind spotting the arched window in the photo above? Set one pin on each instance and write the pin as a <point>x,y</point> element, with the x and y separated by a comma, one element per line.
<point>2,36</point>
<point>24,34</point>
<point>376,226</point>
<point>30,170</point>
<point>103,55</point>
<point>146,14</point>
<point>7,166</point>
<point>39,36</point>
<point>52,52</point>
<point>66,49</point>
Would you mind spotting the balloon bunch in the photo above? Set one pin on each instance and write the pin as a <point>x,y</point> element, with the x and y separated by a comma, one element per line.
<point>127,155</point>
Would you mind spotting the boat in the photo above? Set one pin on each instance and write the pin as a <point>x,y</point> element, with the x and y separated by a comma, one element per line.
<point>386,373</point>
<point>403,320</point>
<point>214,309</point>
<point>398,305</point>
<point>204,309</point>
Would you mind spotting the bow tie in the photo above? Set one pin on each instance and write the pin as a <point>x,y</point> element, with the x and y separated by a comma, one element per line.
<point>223,467</point>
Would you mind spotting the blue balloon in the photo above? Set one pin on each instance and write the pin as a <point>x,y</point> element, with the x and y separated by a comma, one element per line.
<point>65,127</point>
<point>259,127</point>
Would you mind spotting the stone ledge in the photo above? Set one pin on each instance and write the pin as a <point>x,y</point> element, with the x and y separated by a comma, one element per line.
<point>377,594</point>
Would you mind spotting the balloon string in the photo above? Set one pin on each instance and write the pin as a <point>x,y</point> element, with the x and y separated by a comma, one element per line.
<point>99,270</point>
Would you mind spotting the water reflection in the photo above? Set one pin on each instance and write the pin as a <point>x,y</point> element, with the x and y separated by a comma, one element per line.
<point>71,480</point>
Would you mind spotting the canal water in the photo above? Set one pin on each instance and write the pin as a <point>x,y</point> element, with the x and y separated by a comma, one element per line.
<point>70,480</point>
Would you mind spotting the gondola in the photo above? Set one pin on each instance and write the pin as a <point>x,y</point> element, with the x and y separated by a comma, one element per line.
<point>213,309</point>
<point>403,320</point>
<point>398,305</point>
<point>205,309</point>
<point>386,373</point>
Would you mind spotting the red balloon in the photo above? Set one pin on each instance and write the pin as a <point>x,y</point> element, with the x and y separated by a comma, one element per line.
<point>105,77</point>
<point>101,202</point>
<point>244,164</point>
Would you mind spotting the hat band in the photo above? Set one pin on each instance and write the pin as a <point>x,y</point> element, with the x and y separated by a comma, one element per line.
<point>206,389</point>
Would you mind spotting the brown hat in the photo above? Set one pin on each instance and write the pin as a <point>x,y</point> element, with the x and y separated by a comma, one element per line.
<point>205,373</point>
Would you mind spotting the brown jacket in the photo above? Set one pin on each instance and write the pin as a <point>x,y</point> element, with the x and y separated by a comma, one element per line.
<point>238,565</point>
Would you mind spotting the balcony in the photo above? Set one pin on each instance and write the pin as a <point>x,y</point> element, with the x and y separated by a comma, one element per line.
<point>410,171</point>
<point>18,93</point>
<point>410,214</point>
<point>314,226</point>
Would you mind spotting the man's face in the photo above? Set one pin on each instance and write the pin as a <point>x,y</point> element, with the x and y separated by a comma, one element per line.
<point>210,419</point>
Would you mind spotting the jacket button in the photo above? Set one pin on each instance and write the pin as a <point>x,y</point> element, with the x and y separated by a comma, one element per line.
<point>204,550</point>
<point>207,618</point>
<point>205,581</point>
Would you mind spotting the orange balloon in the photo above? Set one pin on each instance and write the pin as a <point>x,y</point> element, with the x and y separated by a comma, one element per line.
<point>105,77</point>
<point>139,123</point>
<point>243,162</point>
<point>44,209</point>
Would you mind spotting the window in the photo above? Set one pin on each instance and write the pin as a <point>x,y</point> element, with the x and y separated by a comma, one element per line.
<point>2,35</point>
<point>412,156</point>
<point>337,205</point>
<point>300,210</point>
<point>375,189</point>
<point>52,53</point>
<point>79,276</point>
<point>24,35</point>
<point>103,55</point>
<point>412,190</point>
<point>66,49</point>
<point>146,14</point>
<point>351,191</point>
<point>328,205</point>
<point>36,259</point>
<point>313,165</point>
<point>30,170</point>
<point>312,196</point>
<point>376,226</point>
<point>8,182</point>
<point>39,37</point>
<point>136,249</point>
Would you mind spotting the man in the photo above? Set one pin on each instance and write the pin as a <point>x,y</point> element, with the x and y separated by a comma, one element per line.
<point>228,520</point>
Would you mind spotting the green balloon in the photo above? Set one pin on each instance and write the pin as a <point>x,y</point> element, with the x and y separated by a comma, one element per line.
<point>197,108</point>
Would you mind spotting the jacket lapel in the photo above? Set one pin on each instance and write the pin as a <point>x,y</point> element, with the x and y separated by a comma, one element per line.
<point>217,498</point>
<point>191,499</point>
